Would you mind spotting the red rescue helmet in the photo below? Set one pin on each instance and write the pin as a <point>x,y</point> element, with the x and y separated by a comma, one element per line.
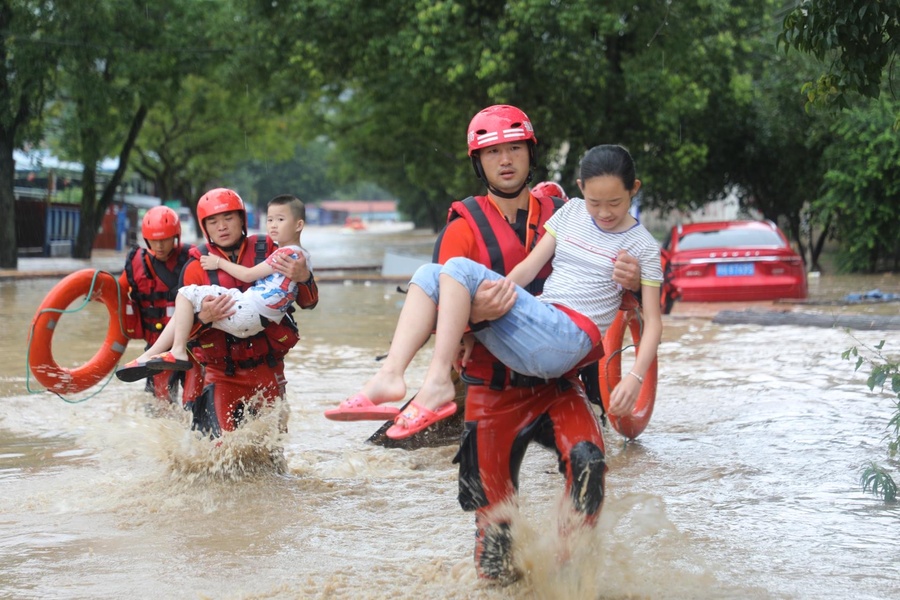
<point>161,223</point>
<point>499,124</point>
<point>216,202</point>
<point>549,189</point>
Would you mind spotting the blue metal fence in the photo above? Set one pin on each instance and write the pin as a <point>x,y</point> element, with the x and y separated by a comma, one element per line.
<point>61,230</point>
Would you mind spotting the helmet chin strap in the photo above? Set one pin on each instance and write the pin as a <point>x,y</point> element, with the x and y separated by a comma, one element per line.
<point>228,249</point>
<point>479,171</point>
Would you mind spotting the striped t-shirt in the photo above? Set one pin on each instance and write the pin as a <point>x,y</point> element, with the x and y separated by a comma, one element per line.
<point>584,260</point>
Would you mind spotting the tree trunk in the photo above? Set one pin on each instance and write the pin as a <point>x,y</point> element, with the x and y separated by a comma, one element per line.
<point>9,250</point>
<point>93,208</point>
<point>816,250</point>
<point>90,222</point>
<point>796,234</point>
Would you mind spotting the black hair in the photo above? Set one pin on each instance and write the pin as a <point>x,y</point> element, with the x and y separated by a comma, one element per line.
<point>608,159</point>
<point>298,209</point>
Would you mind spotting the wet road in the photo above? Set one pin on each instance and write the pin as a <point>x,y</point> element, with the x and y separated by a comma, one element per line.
<point>744,485</point>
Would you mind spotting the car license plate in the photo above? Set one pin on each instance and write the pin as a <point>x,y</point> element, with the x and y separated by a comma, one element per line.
<point>734,269</point>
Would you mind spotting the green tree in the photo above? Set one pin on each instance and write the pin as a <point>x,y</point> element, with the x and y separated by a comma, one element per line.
<point>779,166</point>
<point>305,174</point>
<point>663,78</point>
<point>862,187</point>
<point>884,371</point>
<point>121,58</point>
<point>28,58</point>
<point>858,39</point>
<point>189,141</point>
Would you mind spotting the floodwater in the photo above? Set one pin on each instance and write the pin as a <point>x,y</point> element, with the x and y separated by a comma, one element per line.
<point>745,484</point>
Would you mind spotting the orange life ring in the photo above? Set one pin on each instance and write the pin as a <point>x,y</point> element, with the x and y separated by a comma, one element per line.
<point>102,287</point>
<point>610,368</point>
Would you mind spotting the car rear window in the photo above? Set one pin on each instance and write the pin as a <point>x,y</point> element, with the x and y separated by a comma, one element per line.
<point>730,238</point>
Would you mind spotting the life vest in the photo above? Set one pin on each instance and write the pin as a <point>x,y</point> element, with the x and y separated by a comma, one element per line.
<point>213,346</point>
<point>153,288</point>
<point>500,250</point>
<point>499,246</point>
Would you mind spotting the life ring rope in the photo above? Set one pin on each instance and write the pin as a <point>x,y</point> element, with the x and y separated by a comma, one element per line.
<point>610,371</point>
<point>103,287</point>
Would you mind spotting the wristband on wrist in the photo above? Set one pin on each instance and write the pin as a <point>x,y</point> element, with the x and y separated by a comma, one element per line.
<point>478,326</point>
<point>636,376</point>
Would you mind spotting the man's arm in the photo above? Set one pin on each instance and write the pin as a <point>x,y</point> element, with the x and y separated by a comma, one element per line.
<point>213,308</point>
<point>298,271</point>
<point>493,299</point>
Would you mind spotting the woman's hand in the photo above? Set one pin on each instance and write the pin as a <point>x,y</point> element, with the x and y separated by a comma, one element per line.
<point>624,396</point>
<point>627,271</point>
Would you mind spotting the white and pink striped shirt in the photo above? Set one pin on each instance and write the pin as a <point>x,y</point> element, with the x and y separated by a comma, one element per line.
<point>584,260</point>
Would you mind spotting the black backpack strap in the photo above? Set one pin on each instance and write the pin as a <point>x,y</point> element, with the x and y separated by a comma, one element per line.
<point>262,245</point>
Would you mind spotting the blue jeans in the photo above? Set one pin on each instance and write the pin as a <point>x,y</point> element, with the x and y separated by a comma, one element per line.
<point>533,338</point>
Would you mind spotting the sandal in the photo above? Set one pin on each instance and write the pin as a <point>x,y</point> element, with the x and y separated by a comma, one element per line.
<point>416,418</point>
<point>133,371</point>
<point>358,407</point>
<point>167,362</point>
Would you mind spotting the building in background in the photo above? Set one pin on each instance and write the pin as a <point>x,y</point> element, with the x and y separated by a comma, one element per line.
<point>48,205</point>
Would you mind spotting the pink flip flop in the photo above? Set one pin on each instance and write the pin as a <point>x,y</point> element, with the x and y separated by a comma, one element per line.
<point>358,407</point>
<point>416,418</point>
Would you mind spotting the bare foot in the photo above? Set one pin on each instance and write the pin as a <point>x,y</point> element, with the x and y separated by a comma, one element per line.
<point>385,387</point>
<point>435,393</point>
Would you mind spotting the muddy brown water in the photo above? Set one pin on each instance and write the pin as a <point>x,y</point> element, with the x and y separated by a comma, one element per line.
<point>745,484</point>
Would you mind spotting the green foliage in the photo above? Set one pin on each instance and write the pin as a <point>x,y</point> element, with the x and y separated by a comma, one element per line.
<point>672,81</point>
<point>27,75</point>
<point>121,57</point>
<point>879,481</point>
<point>859,39</point>
<point>223,93</point>
<point>862,187</point>
<point>884,371</point>
<point>305,175</point>
<point>192,139</point>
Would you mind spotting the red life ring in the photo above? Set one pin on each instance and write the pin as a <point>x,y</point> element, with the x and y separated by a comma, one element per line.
<point>629,316</point>
<point>102,287</point>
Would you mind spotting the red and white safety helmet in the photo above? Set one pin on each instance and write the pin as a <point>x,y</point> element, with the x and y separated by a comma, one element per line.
<point>216,202</point>
<point>499,124</point>
<point>548,189</point>
<point>161,223</point>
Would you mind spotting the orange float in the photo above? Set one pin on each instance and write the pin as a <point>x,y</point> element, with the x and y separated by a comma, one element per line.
<point>628,317</point>
<point>94,285</point>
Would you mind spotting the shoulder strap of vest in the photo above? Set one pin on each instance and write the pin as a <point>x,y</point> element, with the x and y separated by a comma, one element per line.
<point>212,275</point>
<point>557,203</point>
<point>262,244</point>
<point>495,253</point>
<point>129,267</point>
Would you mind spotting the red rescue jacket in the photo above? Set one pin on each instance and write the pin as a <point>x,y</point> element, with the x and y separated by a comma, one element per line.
<point>500,250</point>
<point>153,286</point>
<point>214,347</point>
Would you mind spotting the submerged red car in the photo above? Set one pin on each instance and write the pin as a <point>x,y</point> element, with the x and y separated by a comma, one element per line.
<point>730,261</point>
